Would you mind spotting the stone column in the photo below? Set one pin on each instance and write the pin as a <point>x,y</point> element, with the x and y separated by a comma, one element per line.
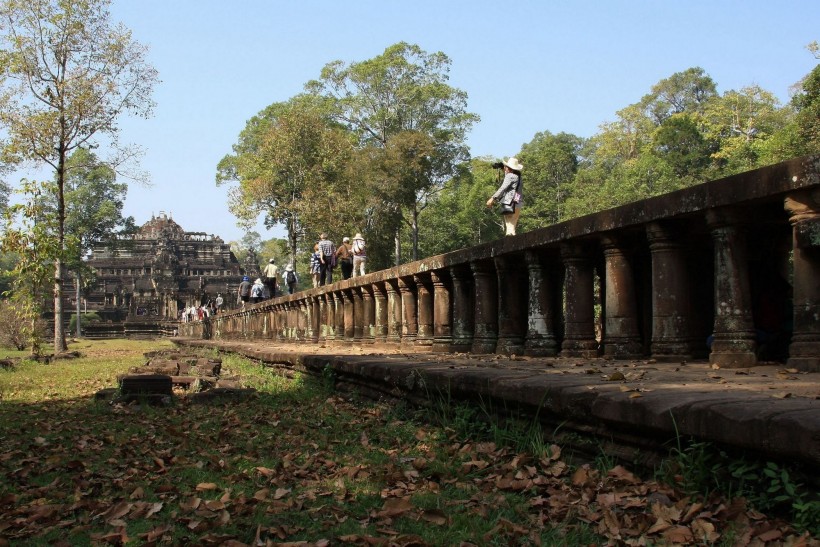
<point>358,314</point>
<point>393,311</point>
<point>368,313</point>
<point>579,322</point>
<point>485,316</point>
<point>804,210</point>
<point>671,329</point>
<point>733,343</point>
<point>511,307</point>
<point>329,316</point>
<point>541,339</point>
<point>339,315</point>
<point>348,314</point>
<point>424,298</point>
<point>380,309</point>
<point>442,312</point>
<point>622,339</point>
<point>315,318</point>
<point>303,323</point>
<point>463,308</point>
<point>409,316</point>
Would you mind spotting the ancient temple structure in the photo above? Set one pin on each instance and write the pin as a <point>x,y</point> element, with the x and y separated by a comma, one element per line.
<point>160,271</point>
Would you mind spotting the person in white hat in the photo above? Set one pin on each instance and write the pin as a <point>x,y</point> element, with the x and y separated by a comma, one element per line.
<point>509,195</point>
<point>359,255</point>
<point>290,278</point>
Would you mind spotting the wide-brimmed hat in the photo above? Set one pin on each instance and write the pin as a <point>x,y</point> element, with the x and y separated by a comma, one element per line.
<point>258,281</point>
<point>289,268</point>
<point>358,236</point>
<point>513,164</point>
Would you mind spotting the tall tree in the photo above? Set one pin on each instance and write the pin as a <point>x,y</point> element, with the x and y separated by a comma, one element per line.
<point>550,163</point>
<point>68,75</point>
<point>291,163</point>
<point>402,90</point>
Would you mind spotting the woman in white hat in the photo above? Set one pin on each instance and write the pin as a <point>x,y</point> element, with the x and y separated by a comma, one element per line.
<point>509,195</point>
<point>359,255</point>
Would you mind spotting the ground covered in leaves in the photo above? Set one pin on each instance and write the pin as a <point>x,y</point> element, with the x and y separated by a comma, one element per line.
<point>299,465</point>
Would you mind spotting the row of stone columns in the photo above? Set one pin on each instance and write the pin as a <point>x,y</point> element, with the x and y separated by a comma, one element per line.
<point>542,301</point>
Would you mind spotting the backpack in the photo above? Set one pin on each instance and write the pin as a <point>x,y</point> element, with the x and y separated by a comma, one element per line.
<point>291,277</point>
<point>244,288</point>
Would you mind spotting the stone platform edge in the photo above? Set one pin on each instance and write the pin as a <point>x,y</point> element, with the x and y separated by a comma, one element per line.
<point>786,430</point>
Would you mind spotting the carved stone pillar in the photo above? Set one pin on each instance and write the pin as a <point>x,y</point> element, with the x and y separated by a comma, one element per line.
<point>339,315</point>
<point>329,316</point>
<point>368,313</point>
<point>733,343</point>
<point>409,323</point>
<point>380,313</point>
<point>302,323</point>
<point>358,314</point>
<point>579,334</point>
<point>463,308</point>
<point>511,307</point>
<point>485,316</point>
<point>442,312</point>
<point>348,315</point>
<point>393,311</point>
<point>541,339</point>
<point>622,339</point>
<point>671,329</point>
<point>315,318</point>
<point>804,350</point>
<point>424,297</point>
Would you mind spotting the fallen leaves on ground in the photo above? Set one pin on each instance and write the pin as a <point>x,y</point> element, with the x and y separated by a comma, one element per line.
<point>209,475</point>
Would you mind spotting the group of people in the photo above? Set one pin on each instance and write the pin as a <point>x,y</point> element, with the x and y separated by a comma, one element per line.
<point>267,285</point>
<point>203,311</point>
<point>350,257</point>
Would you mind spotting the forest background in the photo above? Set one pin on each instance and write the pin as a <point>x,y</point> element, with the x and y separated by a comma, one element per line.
<point>378,147</point>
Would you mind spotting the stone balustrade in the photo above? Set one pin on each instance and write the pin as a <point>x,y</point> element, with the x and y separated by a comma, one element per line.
<point>700,273</point>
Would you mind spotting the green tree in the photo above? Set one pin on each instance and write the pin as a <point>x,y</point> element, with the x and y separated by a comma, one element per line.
<point>381,99</point>
<point>68,75</point>
<point>679,143</point>
<point>458,216</point>
<point>550,163</point>
<point>292,164</point>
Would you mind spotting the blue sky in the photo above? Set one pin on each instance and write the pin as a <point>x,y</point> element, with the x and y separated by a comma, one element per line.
<point>527,66</point>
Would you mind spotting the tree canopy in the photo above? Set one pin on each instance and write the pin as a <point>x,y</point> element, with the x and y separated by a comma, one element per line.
<point>68,75</point>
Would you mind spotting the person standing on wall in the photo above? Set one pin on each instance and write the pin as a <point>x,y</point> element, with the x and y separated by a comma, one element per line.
<point>344,257</point>
<point>359,255</point>
<point>509,195</point>
<point>290,278</point>
<point>269,275</point>
<point>327,257</point>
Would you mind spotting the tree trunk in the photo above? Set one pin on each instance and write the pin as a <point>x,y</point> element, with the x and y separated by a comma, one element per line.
<point>59,329</point>
<point>397,241</point>
<point>414,229</point>
<point>77,292</point>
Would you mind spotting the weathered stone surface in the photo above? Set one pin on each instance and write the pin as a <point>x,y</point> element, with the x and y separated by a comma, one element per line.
<point>775,415</point>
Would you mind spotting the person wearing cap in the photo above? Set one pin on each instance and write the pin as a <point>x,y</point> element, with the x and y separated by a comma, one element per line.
<point>290,278</point>
<point>269,275</point>
<point>509,195</point>
<point>244,290</point>
<point>327,259</point>
<point>344,256</point>
<point>359,255</point>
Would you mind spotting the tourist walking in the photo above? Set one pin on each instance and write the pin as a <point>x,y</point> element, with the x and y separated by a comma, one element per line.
<point>327,258</point>
<point>344,257</point>
<point>359,255</point>
<point>290,278</point>
<point>509,195</point>
<point>257,291</point>
<point>244,290</point>
<point>269,276</point>
<point>315,265</point>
